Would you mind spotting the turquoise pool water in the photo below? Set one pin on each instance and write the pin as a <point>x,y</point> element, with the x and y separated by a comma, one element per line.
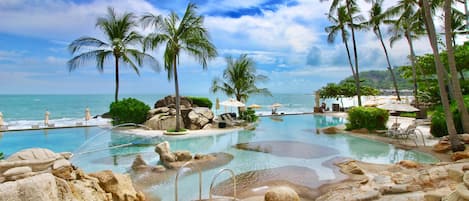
<point>93,152</point>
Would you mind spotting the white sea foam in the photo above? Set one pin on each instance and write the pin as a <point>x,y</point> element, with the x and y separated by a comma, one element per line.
<point>63,122</point>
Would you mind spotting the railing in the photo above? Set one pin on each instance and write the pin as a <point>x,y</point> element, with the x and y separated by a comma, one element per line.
<point>181,169</point>
<point>233,178</point>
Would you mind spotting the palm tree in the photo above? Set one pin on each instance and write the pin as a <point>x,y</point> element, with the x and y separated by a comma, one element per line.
<point>351,22</point>
<point>339,25</point>
<point>454,139</point>
<point>240,79</point>
<point>408,25</point>
<point>120,43</point>
<point>376,18</point>
<point>187,34</point>
<point>449,36</point>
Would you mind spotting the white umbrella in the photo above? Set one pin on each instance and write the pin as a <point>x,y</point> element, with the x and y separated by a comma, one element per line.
<point>254,106</point>
<point>232,103</point>
<point>46,118</point>
<point>276,105</point>
<point>398,107</point>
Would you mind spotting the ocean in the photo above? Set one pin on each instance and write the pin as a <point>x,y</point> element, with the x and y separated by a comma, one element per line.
<point>23,111</point>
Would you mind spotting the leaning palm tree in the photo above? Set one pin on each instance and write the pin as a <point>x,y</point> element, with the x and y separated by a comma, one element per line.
<point>449,36</point>
<point>187,34</point>
<point>120,43</point>
<point>351,9</point>
<point>340,25</point>
<point>240,79</point>
<point>376,19</point>
<point>454,139</point>
<point>408,25</point>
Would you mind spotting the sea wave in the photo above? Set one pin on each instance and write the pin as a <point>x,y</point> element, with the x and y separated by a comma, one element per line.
<point>62,122</point>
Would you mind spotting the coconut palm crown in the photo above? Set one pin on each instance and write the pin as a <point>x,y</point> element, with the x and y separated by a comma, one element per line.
<point>179,35</point>
<point>120,44</point>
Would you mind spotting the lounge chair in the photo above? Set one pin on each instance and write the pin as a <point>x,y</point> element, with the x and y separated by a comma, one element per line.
<point>411,131</point>
<point>229,120</point>
<point>393,129</point>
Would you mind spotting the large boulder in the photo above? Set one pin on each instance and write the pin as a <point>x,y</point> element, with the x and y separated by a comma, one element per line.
<point>163,121</point>
<point>38,188</point>
<point>119,185</point>
<point>441,147</point>
<point>198,117</point>
<point>170,101</point>
<point>281,193</point>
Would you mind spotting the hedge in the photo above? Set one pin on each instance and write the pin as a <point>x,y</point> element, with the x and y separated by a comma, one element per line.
<point>201,101</point>
<point>367,117</point>
<point>438,127</point>
<point>128,110</point>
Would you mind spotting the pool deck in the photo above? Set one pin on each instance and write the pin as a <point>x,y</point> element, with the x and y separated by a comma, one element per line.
<point>46,128</point>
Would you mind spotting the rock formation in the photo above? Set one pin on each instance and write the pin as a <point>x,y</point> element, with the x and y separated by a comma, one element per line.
<point>281,193</point>
<point>42,175</point>
<point>163,117</point>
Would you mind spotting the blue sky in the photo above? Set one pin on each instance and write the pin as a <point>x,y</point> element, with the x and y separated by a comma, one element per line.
<point>286,38</point>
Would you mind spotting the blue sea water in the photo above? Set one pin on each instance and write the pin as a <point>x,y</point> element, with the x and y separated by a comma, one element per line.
<point>25,110</point>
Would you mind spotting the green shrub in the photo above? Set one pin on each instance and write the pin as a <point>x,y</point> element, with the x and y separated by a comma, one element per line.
<point>201,101</point>
<point>248,115</point>
<point>438,127</point>
<point>128,110</point>
<point>1,155</point>
<point>367,117</point>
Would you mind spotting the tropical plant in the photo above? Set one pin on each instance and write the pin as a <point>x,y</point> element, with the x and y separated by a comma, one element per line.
<point>345,89</point>
<point>346,16</point>
<point>121,39</point>
<point>376,19</point>
<point>452,66</point>
<point>438,127</point>
<point>454,139</point>
<point>367,117</point>
<point>1,155</point>
<point>248,115</point>
<point>201,101</point>
<point>240,79</point>
<point>128,110</point>
<point>179,35</point>
<point>408,25</point>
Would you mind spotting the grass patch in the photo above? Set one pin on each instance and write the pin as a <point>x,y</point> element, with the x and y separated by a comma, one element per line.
<point>408,114</point>
<point>174,130</point>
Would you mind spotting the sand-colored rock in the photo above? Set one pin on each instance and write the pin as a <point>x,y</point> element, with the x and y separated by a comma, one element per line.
<point>139,163</point>
<point>455,174</point>
<point>464,137</point>
<point>119,185</point>
<point>409,164</point>
<point>459,155</point>
<point>38,188</point>
<point>350,167</point>
<point>331,130</point>
<point>17,171</point>
<point>441,147</point>
<point>361,131</point>
<point>281,193</point>
<point>183,155</point>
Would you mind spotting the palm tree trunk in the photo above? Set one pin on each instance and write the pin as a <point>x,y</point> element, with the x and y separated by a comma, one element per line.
<point>412,61</point>
<point>176,87</point>
<point>355,54</point>
<point>348,54</point>
<point>389,65</point>
<point>116,94</point>
<point>452,67</point>
<point>454,139</point>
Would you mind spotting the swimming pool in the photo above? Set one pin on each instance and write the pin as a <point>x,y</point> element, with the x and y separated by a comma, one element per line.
<point>288,134</point>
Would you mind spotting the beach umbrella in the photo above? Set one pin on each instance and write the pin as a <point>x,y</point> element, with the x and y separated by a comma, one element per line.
<point>398,107</point>
<point>254,106</point>
<point>276,105</point>
<point>46,118</point>
<point>1,120</point>
<point>232,103</point>
<point>87,114</point>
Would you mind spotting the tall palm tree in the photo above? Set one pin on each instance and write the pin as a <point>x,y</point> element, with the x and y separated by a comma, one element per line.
<point>187,34</point>
<point>452,66</point>
<point>240,79</point>
<point>351,9</point>
<point>120,43</point>
<point>408,25</point>
<point>376,18</point>
<point>454,139</point>
<point>340,25</point>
